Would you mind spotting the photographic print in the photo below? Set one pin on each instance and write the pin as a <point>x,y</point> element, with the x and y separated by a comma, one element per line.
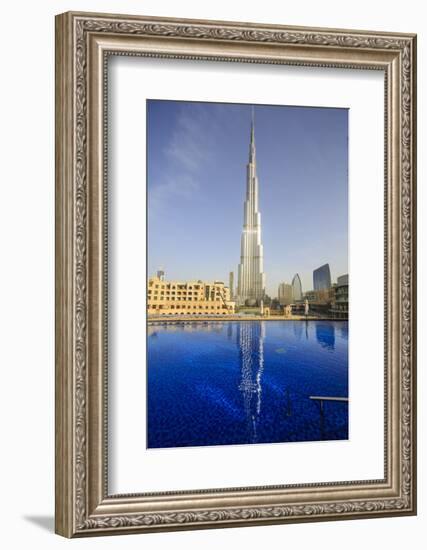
<point>247,274</point>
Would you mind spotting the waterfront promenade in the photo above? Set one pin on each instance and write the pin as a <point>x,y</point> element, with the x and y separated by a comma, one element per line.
<point>236,317</point>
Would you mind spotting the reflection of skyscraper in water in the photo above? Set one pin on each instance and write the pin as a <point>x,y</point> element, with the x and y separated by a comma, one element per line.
<point>297,329</point>
<point>251,345</point>
<point>325,335</point>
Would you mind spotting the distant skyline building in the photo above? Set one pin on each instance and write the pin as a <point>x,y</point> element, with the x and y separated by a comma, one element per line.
<point>296,288</point>
<point>340,305</point>
<point>161,274</point>
<point>342,280</point>
<point>231,283</point>
<point>251,276</point>
<point>285,294</point>
<point>322,278</point>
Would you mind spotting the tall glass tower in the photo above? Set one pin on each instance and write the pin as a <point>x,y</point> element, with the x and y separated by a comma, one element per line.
<point>251,277</point>
<point>322,278</point>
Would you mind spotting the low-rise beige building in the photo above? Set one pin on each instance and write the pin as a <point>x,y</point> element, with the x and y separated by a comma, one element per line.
<point>188,298</point>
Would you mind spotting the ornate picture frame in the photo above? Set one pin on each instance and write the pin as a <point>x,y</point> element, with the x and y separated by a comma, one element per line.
<point>84,42</point>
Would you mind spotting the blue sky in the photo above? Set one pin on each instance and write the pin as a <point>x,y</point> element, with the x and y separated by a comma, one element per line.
<point>196,178</point>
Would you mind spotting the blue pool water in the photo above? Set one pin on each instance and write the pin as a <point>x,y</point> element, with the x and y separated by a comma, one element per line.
<point>227,383</point>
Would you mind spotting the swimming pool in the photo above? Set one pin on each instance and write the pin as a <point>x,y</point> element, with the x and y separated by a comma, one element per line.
<point>245,382</point>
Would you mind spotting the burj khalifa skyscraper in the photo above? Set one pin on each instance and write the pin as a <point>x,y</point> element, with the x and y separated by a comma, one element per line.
<point>251,276</point>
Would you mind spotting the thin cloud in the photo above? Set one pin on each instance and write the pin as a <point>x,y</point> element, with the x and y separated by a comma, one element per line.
<point>188,154</point>
<point>191,143</point>
<point>170,189</point>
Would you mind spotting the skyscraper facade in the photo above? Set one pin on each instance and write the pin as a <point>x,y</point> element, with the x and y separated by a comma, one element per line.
<point>251,277</point>
<point>296,288</point>
<point>322,278</point>
<point>231,284</point>
<point>340,305</point>
<point>342,280</point>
